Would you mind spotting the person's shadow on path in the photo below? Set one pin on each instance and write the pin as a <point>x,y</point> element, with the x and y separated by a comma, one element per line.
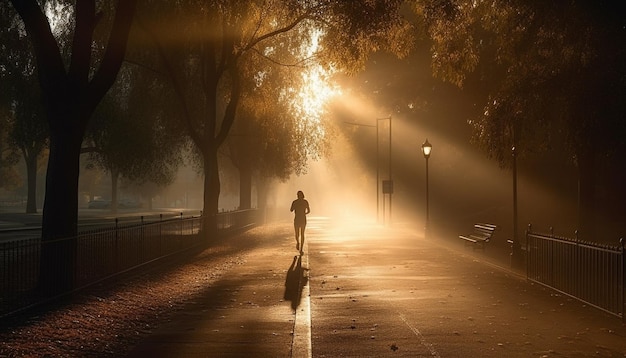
<point>294,282</point>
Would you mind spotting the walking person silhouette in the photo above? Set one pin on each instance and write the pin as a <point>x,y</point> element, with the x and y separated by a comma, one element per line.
<point>301,208</point>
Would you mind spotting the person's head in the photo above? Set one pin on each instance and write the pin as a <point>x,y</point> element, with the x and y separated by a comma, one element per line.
<point>300,194</point>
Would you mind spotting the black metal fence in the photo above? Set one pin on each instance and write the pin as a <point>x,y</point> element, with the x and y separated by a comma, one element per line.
<point>104,252</point>
<point>590,272</point>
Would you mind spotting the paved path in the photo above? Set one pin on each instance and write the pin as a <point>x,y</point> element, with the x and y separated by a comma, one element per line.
<point>379,292</point>
<point>249,312</point>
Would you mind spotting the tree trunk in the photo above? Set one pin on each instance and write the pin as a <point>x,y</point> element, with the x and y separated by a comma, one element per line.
<point>60,212</point>
<point>245,185</point>
<point>262,185</point>
<point>114,200</point>
<point>211,193</point>
<point>261,193</point>
<point>31,174</point>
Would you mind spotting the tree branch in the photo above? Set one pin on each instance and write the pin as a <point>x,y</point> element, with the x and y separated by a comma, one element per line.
<point>81,44</point>
<point>178,89</point>
<point>49,61</point>
<point>115,51</point>
<point>231,108</point>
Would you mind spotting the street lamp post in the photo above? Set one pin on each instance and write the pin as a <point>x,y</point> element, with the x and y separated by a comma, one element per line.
<point>516,249</point>
<point>378,186</point>
<point>387,184</point>
<point>426,149</point>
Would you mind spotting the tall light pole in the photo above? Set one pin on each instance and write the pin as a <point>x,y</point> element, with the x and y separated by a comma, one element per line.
<point>387,184</point>
<point>377,164</point>
<point>516,250</point>
<point>426,149</point>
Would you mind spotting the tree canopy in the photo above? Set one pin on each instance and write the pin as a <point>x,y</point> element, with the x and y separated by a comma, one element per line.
<point>552,70</point>
<point>207,48</point>
<point>136,118</point>
<point>553,74</point>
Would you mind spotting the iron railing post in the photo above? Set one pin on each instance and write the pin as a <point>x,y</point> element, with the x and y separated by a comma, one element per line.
<point>117,247</point>
<point>160,234</point>
<point>623,279</point>
<point>528,229</point>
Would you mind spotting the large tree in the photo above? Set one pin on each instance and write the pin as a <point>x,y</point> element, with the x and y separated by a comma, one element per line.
<point>70,93</point>
<point>136,117</point>
<point>552,73</point>
<point>30,135</point>
<point>25,130</point>
<point>203,46</point>
<point>9,178</point>
<point>270,139</point>
<point>8,155</point>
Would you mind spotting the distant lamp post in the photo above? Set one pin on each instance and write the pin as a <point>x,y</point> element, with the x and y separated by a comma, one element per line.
<point>426,149</point>
<point>387,184</point>
<point>387,187</point>
<point>516,250</point>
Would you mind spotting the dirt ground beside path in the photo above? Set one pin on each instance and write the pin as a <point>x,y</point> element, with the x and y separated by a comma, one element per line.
<point>108,320</point>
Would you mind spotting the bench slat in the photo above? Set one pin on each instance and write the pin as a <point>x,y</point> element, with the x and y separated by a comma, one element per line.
<point>482,234</point>
<point>467,238</point>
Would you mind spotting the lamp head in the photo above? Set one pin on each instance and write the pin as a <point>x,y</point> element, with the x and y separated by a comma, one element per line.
<point>426,149</point>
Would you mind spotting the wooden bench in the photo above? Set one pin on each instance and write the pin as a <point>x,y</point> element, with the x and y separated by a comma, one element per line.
<point>481,235</point>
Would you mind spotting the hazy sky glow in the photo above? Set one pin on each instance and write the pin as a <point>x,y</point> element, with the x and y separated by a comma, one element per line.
<point>318,88</point>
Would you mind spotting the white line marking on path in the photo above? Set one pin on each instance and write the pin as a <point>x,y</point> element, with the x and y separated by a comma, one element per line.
<point>301,345</point>
<point>429,346</point>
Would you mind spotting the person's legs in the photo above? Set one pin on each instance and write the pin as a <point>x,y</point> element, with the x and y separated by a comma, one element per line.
<point>302,227</point>
<point>297,230</point>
